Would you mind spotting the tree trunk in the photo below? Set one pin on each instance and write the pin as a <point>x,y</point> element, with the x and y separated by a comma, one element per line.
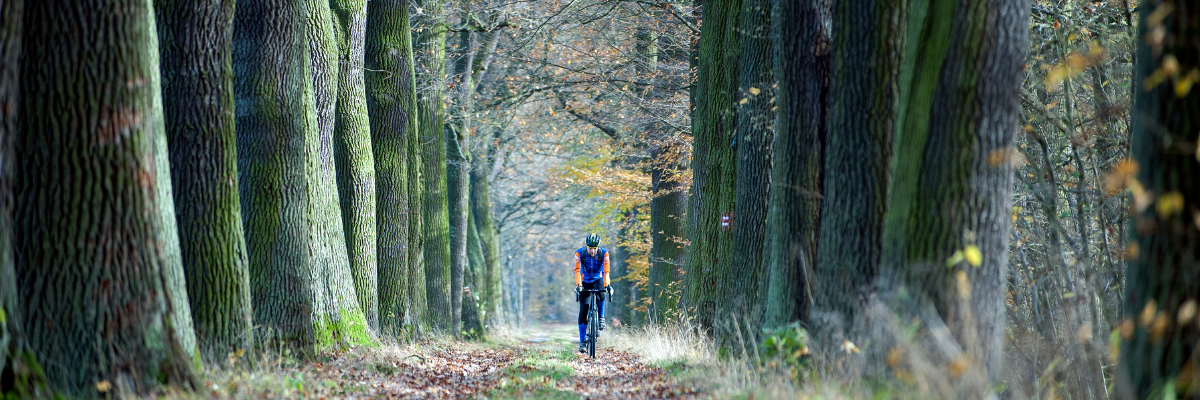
<point>339,318</point>
<point>430,42</point>
<point>959,129</point>
<point>858,156</point>
<point>273,95</point>
<point>18,364</point>
<point>354,157</point>
<point>12,339</point>
<point>1159,353</point>
<point>203,158</point>
<point>753,142</point>
<point>391,105</point>
<point>481,214</point>
<point>472,322</point>
<point>713,161</point>
<point>458,170</point>
<point>121,326</point>
<point>802,67</point>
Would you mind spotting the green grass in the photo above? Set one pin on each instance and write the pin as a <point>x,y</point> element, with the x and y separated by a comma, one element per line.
<point>537,373</point>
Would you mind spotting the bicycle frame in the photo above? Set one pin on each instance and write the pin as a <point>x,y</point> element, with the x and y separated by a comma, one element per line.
<point>593,328</point>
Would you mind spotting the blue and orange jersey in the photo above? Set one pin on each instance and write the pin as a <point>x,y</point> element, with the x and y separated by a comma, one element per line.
<point>588,268</point>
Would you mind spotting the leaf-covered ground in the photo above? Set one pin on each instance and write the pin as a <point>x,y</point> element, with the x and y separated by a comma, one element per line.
<point>540,364</point>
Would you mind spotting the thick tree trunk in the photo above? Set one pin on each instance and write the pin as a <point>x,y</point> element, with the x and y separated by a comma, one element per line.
<point>354,157</point>
<point>959,128</point>
<point>802,69</point>
<point>391,104</point>
<point>858,156</point>
<point>1159,355</point>
<point>713,161</point>
<point>430,42</point>
<point>481,214</point>
<point>273,96</point>
<point>121,327</point>
<point>338,317</point>
<point>753,141</point>
<point>196,46</point>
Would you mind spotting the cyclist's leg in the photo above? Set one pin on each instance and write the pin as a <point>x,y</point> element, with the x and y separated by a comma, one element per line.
<point>600,306</point>
<point>583,312</point>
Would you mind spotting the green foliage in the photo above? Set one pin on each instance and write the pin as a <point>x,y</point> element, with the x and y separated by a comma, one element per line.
<point>786,345</point>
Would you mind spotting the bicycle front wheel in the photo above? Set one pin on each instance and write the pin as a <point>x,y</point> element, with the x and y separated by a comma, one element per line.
<point>593,331</point>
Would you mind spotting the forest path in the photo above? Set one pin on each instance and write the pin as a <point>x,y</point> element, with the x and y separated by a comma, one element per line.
<point>540,362</point>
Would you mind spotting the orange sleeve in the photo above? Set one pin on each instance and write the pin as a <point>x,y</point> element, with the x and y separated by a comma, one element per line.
<point>606,268</point>
<point>578,279</point>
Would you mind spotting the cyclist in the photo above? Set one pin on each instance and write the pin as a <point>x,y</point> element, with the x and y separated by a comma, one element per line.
<point>591,272</point>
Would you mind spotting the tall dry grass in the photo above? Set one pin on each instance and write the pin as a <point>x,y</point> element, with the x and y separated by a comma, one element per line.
<point>897,357</point>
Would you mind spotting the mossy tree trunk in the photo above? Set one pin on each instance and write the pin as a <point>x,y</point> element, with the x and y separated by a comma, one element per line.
<point>121,327</point>
<point>957,128</point>
<point>429,40</point>
<point>858,157</point>
<point>472,321</point>
<point>713,163</point>
<point>339,318</point>
<point>275,111</point>
<point>354,157</point>
<point>481,214</point>
<point>1159,356</point>
<point>753,142</point>
<point>802,68</point>
<point>391,105</point>
<point>196,46</point>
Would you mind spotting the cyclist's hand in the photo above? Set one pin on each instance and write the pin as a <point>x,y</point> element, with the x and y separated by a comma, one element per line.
<point>608,289</point>
<point>578,289</point>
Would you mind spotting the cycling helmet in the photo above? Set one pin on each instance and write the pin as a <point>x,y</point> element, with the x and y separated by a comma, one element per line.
<point>593,240</point>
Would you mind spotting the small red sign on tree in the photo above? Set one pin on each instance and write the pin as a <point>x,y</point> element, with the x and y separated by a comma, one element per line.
<point>726,221</point>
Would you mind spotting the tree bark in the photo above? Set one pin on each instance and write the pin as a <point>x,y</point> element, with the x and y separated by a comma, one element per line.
<point>195,47</point>
<point>481,213</point>
<point>753,142</point>
<point>121,327</point>
<point>391,105</point>
<point>275,112</point>
<point>713,161</point>
<point>12,339</point>
<point>18,363</point>
<point>858,156</point>
<point>959,129</point>
<point>458,170</point>
<point>1159,354</point>
<point>354,156</point>
<point>430,42</point>
<point>339,318</point>
<point>802,67</point>
<point>472,322</point>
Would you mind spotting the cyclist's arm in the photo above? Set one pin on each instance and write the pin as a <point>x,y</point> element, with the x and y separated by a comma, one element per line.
<point>578,278</point>
<point>605,268</point>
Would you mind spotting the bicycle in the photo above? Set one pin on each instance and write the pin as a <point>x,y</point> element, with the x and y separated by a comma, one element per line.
<point>593,328</point>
